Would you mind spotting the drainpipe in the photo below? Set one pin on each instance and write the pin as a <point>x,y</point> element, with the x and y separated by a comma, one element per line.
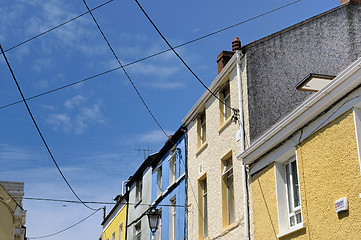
<point>241,139</point>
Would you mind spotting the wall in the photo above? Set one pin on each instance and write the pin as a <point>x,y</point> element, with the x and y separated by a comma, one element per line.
<point>113,224</point>
<point>219,143</point>
<point>168,192</point>
<point>329,169</point>
<point>7,207</point>
<point>138,209</point>
<point>325,45</point>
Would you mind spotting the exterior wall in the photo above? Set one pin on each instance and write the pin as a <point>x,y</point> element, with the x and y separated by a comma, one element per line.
<point>136,210</point>
<point>325,44</point>
<point>208,160</point>
<point>176,190</point>
<point>329,169</point>
<point>113,224</point>
<point>7,209</point>
<point>264,204</point>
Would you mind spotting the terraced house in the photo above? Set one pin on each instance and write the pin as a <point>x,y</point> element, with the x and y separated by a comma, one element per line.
<point>305,170</point>
<point>254,89</point>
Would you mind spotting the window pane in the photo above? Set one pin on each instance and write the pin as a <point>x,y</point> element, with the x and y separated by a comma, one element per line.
<point>292,221</point>
<point>205,213</point>
<point>296,196</point>
<point>298,218</point>
<point>289,191</point>
<point>230,197</point>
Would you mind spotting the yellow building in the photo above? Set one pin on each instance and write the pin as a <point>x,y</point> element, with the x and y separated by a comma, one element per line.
<point>305,180</point>
<point>115,223</point>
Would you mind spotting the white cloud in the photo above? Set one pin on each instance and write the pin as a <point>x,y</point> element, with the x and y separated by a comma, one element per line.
<point>76,116</point>
<point>153,136</point>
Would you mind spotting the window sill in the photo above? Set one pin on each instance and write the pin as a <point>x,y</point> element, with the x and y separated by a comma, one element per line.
<point>224,124</point>
<point>201,148</point>
<point>292,230</point>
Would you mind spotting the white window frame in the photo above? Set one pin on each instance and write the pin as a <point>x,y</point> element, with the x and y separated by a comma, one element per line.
<point>138,190</point>
<point>121,231</point>
<point>172,167</point>
<point>113,236</point>
<point>282,193</point>
<point>159,181</point>
<point>138,231</point>
<point>172,218</point>
<point>159,229</point>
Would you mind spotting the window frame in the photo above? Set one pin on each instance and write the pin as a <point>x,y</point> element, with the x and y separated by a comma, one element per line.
<point>172,218</point>
<point>227,176</point>
<point>138,231</point>
<point>172,167</point>
<point>203,228</point>
<point>138,190</point>
<point>225,103</point>
<point>202,128</point>
<point>283,198</point>
<point>159,181</point>
<point>120,231</point>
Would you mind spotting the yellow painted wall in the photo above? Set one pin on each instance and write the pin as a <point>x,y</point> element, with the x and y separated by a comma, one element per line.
<point>7,208</point>
<point>264,204</point>
<point>120,218</point>
<point>328,170</point>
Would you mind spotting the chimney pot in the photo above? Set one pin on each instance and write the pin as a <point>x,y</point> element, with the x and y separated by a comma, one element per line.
<point>236,44</point>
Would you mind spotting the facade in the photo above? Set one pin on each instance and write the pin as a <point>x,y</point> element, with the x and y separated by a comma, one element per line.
<point>305,171</point>
<point>12,214</point>
<point>168,187</point>
<point>255,89</point>
<point>115,223</point>
<point>214,183</point>
<point>140,199</point>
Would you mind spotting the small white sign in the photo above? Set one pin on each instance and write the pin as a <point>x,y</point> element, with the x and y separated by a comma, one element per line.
<point>341,205</point>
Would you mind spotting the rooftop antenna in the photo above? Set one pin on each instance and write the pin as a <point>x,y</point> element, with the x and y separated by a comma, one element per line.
<point>146,151</point>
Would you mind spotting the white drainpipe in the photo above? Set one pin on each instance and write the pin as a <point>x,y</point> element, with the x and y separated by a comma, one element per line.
<point>241,139</point>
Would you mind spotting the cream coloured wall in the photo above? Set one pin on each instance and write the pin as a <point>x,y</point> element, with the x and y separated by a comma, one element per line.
<point>207,160</point>
<point>7,209</point>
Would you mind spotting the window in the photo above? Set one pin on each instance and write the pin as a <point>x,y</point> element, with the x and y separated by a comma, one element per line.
<point>159,229</point>
<point>227,191</point>
<point>293,193</point>
<point>288,196</point>
<point>113,236</point>
<point>225,103</point>
<point>138,191</point>
<point>201,125</point>
<point>172,219</point>
<point>138,231</point>
<point>203,213</point>
<point>172,168</point>
<point>121,231</point>
<point>159,181</point>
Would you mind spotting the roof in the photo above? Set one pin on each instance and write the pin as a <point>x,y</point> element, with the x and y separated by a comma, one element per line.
<point>139,172</point>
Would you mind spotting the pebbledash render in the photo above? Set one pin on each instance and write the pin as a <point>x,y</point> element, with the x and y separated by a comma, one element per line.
<point>259,81</point>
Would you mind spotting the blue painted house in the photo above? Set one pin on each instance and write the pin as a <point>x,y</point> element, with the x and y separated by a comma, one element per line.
<point>168,187</point>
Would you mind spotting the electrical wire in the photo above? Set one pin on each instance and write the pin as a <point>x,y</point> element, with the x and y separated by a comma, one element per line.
<point>57,26</point>
<point>65,229</point>
<point>96,202</point>
<point>181,59</point>
<point>147,57</point>
<point>125,72</point>
<point>38,130</point>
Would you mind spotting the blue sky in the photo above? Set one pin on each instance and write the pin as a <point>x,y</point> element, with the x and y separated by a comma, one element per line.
<point>93,128</point>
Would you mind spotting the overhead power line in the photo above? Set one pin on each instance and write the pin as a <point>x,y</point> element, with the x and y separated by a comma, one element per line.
<point>39,132</point>
<point>125,72</point>
<point>180,58</point>
<point>57,26</point>
<point>65,229</point>
<point>147,57</point>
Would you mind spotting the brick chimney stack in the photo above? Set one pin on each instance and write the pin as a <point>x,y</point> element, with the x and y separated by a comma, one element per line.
<point>225,56</point>
<point>351,1</point>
